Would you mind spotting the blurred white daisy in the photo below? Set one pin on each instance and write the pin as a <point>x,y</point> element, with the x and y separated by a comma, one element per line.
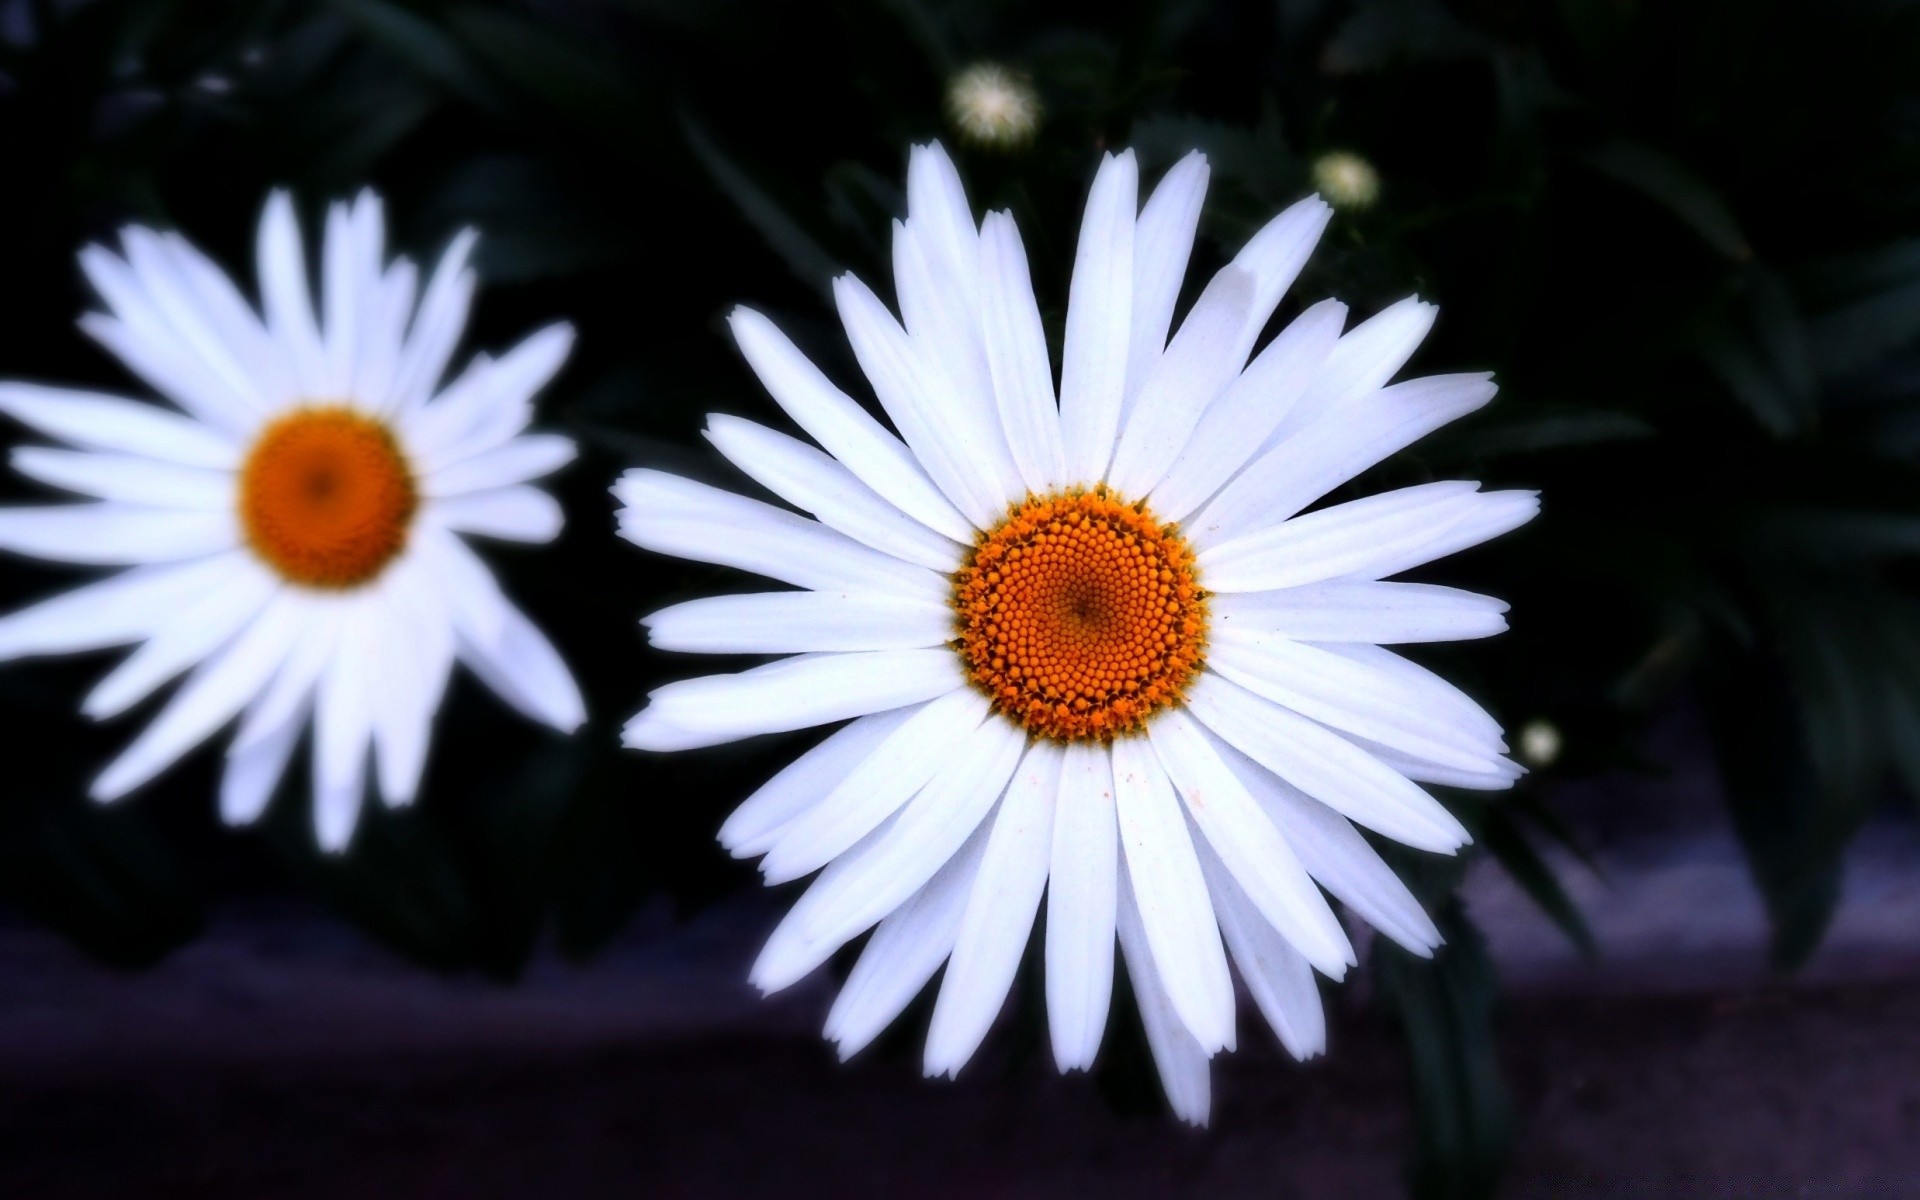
<point>993,106</point>
<point>1095,648</point>
<point>292,533</point>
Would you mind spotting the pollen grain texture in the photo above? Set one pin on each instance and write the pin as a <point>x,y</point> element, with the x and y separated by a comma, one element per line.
<point>327,497</point>
<point>1080,616</point>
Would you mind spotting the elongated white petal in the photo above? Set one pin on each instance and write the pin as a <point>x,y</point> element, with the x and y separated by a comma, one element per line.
<point>1177,1054</point>
<point>1101,312</point>
<point>211,698</point>
<point>814,481</point>
<point>794,693</point>
<point>1334,853</point>
<point>436,328</point>
<point>512,656</point>
<point>1434,691</point>
<point>999,913</point>
<point>1362,538</point>
<point>290,695</point>
<point>1481,518</point>
<point>1233,427</point>
<point>670,515</point>
<point>1494,779</point>
<point>489,403</point>
<point>286,295</point>
<point>116,534</point>
<point>1186,379</point>
<point>1344,610</point>
<point>1162,243</point>
<point>789,956</point>
<point>1325,766</point>
<point>799,622</point>
<point>516,514</point>
<point>128,479</point>
<point>93,421</point>
<point>904,952</point>
<point>1017,355</point>
<point>1354,697</point>
<point>757,824</point>
<point>1273,258</point>
<point>926,833</point>
<point>1278,977</point>
<point>1172,896</point>
<point>1247,842</point>
<point>517,461</point>
<point>196,338</point>
<point>937,202</point>
<point>126,607</point>
<point>253,771</point>
<point>831,418</point>
<point>1370,354</point>
<point>342,738</point>
<point>190,633</point>
<point>1334,449</point>
<point>1081,894</point>
<point>875,787</point>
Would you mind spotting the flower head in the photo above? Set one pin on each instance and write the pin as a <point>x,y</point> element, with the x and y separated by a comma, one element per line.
<point>293,529</point>
<point>1094,642</point>
<point>1346,180</point>
<point>993,106</point>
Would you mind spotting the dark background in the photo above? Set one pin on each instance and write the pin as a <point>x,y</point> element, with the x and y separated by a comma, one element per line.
<point>1685,236</point>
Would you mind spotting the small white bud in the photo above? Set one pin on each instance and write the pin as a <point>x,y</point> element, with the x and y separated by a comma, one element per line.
<point>993,106</point>
<point>1540,742</point>
<point>1346,180</point>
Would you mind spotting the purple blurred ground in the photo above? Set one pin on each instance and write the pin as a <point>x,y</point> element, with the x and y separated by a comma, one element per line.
<point>283,1056</point>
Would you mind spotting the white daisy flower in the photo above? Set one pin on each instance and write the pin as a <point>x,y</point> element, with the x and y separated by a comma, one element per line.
<point>293,533</point>
<point>1095,649</point>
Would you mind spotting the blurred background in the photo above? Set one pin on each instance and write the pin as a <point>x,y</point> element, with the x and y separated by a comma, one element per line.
<point>1684,956</point>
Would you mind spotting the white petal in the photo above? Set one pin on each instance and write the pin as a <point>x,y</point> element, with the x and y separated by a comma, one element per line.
<point>115,534</point>
<point>1496,779</point>
<point>1233,427</point>
<point>794,693</point>
<point>1434,692</point>
<point>436,327</point>
<point>488,403</point>
<point>223,384</point>
<point>517,461</point>
<point>122,608</point>
<point>94,421</point>
<point>1369,355</point>
<point>1172,895</point>
<point>926,833</point>
<point>191,631</point>
<point>1100,314</point>
<point>1278,977</point>
<point>1180,1058</point>
<point>1482,517</point>
<point>788,955</point>
<point>522,513</point>
<point>1017,354</point>
<point>1354,697</point>
<point>289,697</point>
<point>211,698</point>
<point>1344,610</point>
<point>1326,766</point>
<point>512,656</point>
<point>831,418</point>
<point>342,736</point>
<point>999,913</point>
<point>253,771</point>
<point>1273,257</point>
<point>1334,449</point>
<point>1335,853</point>
<point>286,295</point>
<point>805,782</point>
<point>1162,243</point>
<point>875,787</point>
<point>154,357</point>
<point>799,622</point>
<point>1360,538</point>
<point>1247,842</point>
<point>1198,363</point>
<point>918,401</point>
<point>270,378</point>
<point>128,479</point>
<point>1081,894</point>
<point>937,201</point>
<point>814,481</point>
<point>670,515</point>
<point>415,664</point>
<point>904,952</point>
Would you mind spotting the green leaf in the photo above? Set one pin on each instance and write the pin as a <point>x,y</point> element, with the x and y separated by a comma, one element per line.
<point>804,256</point>
<point>1502,836</point>
<point>1463,1116</point>
<point>1674,186</point>
<point>423,46</point>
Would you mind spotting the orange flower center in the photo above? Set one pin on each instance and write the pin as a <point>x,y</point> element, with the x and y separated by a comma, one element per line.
<point>1080,616</point>
<point>326,497</point>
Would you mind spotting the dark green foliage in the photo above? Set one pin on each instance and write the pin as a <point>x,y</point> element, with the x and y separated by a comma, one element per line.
<point>1685,236</point>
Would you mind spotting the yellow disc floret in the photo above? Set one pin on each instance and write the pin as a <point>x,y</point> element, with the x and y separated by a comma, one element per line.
<point>326,497</point>
<point>1080,616</point>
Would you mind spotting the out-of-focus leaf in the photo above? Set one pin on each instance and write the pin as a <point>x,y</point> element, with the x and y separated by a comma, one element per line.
<point>1444,1007</point>
<point>1540,428</point>
<point>1504,839</point>
<point>1762,353</point>
<point>804,256</point>
<point>425,47</point>
<point>564,72</point>
<point>1674,186</point>
<point>1384,32</point>
<point>537,226</point>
